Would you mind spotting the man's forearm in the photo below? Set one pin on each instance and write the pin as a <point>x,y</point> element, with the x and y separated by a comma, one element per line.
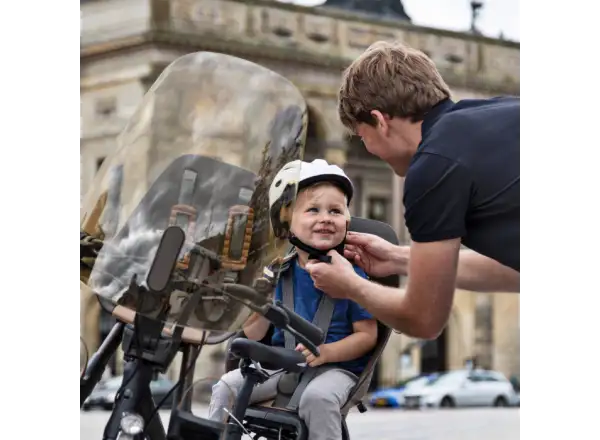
<point>482,274</point>
<point>475,272</point>
<point>389,305</point>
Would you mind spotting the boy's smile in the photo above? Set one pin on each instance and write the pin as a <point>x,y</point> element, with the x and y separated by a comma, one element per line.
<point>319,218</point>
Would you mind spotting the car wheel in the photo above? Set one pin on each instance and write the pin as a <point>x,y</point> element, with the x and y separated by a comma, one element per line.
<point>447,402</point>
<point>500,402</point>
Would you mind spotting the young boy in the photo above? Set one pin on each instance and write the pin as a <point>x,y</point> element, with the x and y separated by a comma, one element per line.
<point>320,219</point>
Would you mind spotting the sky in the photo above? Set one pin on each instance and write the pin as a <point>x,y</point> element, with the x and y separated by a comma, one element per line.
<point>495,17</point>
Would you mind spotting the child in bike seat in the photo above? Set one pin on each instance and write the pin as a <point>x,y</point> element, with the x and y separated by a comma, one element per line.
<point>320,219</point>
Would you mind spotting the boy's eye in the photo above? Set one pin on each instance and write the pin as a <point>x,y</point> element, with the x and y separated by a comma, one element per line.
<point>336,211</point>
<point>313,209</point>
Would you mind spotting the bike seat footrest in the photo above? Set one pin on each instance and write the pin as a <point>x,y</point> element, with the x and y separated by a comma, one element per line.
<point>267,421</point>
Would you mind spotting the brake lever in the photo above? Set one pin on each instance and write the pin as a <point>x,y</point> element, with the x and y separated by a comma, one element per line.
<point>278,316</point>
<point>299,337</point>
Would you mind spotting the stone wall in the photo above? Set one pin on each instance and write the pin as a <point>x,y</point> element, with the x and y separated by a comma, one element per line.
<point>314,36</point>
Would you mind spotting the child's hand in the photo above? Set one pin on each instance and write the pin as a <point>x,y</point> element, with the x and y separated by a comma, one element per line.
<point>311,359</point>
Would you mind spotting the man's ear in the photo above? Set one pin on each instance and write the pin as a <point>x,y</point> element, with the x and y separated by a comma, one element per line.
<point>382,120</point>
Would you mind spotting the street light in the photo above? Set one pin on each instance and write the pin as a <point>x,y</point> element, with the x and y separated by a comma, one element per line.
<point>476,7</point>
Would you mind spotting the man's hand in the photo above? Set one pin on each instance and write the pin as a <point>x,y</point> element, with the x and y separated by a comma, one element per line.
<point>311,359</point>
<point>336,279</point>
<point>376,256</point>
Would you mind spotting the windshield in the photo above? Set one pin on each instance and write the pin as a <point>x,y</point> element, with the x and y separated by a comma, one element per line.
<point>417,383</point>
<point>199,153</point>
<point>448,379</point>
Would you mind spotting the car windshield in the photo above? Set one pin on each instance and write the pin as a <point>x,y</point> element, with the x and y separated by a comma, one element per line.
<point>448,379</point>
<point>418,383</point>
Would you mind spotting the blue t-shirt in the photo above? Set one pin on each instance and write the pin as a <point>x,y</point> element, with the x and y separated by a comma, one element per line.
<point>345,313</point>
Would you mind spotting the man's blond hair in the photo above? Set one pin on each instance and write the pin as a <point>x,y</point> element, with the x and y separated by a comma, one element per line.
<point>393,78</point>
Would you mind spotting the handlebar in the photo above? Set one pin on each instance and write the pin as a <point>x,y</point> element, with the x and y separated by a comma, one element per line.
<point>279,315</point>
<point>307,333</point>
<point>303,327</point>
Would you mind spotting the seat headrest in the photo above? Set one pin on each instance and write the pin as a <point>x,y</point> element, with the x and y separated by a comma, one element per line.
<point>383,230</point>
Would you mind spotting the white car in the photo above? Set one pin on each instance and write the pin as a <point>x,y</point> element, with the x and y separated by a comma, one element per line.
<point>462,388</point>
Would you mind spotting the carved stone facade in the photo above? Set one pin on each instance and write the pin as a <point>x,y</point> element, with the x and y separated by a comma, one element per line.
<point>125,44</point>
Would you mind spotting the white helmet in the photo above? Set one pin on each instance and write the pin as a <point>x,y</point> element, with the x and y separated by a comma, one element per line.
<point>289,180</point>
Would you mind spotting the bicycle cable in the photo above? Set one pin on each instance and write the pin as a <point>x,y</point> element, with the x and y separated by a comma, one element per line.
<point>178,384</point>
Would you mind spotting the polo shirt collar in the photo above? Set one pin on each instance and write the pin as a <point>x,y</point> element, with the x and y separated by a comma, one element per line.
<point>432,116</point>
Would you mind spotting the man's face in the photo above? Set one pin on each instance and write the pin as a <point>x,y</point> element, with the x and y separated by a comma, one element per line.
<point>319,218</point>
<point>387,143</point>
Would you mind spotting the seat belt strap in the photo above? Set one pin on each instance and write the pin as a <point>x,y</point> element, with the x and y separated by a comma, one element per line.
<point>322,319</point>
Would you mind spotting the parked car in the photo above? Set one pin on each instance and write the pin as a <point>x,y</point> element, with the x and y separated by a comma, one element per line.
<point>103,396</point>
<point>394,397</point>
<point>463,388</point>
<point>516,383</point>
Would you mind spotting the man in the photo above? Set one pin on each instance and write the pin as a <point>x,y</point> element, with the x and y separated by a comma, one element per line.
<point>462,186</point>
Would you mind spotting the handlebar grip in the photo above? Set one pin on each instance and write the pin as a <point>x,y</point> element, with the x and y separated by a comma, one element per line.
<point>313,333</point>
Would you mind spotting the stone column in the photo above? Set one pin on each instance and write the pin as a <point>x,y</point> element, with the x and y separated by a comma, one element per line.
<point>461,329</point>
<point>484,330</point>
<point>336,152</point>
<point>90,321</point>
<point>388,362</point>
<point>89,313</point>
<point>506,333</point>
<point>331,133</point>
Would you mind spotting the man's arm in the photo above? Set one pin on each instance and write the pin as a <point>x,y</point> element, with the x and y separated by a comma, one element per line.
<point>437,194</point>
<point>423,308</point>
<point>475,272</point>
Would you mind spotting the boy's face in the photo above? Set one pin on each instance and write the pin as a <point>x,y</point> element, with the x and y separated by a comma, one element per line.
<point>319,217</point>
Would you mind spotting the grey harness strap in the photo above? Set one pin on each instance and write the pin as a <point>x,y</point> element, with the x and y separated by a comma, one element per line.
<point>322,319</point>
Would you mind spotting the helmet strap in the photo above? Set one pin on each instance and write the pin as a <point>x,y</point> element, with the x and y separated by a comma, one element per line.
<point>317,254</point>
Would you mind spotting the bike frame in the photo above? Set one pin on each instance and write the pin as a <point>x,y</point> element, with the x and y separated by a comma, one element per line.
<point>135,395</point>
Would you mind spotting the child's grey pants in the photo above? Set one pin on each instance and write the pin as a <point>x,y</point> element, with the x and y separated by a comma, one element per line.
<point>319,405</point>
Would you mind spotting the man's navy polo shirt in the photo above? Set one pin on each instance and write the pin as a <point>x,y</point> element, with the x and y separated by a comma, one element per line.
<point>464,180</point>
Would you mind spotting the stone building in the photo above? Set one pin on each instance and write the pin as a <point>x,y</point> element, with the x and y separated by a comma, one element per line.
<point>125,44</point>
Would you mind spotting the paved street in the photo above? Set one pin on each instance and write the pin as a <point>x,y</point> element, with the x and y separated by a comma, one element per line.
<point>457,424</point>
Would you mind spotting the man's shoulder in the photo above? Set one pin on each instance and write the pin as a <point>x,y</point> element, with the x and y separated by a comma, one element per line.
<point>482,109</point>
<point>471,129</point>
<point>476,115</point>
